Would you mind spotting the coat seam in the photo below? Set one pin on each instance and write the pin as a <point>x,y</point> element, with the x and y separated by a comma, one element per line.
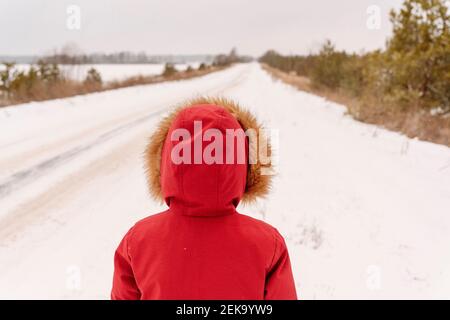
<point>274,253</point>
<point>129,240</point>
<point>130,236</point>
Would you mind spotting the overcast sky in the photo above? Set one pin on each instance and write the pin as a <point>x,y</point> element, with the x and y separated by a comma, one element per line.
<point>191,26</point>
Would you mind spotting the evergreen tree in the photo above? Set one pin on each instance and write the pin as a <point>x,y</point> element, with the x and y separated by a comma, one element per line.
<point>418,54</point>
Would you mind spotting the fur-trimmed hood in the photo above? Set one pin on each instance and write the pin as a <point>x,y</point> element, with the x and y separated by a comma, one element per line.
<point>192,182</point>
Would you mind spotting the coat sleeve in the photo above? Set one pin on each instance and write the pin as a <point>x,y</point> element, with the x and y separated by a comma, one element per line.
<point>279,279</point>
<point>124,282</point>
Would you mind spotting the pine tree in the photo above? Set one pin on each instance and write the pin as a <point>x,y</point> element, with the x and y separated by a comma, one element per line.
<point>418,53</point>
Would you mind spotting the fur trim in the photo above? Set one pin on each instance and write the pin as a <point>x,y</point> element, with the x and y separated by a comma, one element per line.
<point>258,185</point>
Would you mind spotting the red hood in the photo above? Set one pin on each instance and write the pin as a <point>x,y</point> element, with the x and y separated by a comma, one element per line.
<point>201,188</point>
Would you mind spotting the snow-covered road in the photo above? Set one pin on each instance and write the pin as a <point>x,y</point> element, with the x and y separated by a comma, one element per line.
<point>365,212</point>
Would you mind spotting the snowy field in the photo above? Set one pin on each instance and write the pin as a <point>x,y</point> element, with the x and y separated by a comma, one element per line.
<point>110,72</point>
<point>365,212</point>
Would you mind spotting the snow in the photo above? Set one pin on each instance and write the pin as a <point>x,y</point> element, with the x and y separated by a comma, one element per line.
<point>364,211</point>
<point>110,72</point>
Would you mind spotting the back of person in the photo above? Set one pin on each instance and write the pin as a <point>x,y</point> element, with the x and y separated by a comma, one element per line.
<point>201,247</point>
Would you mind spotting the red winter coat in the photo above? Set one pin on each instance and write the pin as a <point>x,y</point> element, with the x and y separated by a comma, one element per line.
<point>201,248</point>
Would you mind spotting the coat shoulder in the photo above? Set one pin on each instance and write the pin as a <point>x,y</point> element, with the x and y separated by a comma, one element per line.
<point>151,219</point>
<point>260,227</point>
<point>145,227</point>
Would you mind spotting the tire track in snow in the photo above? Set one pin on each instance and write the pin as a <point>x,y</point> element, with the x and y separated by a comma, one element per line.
<point>39,207</point>
<point>23,177</point>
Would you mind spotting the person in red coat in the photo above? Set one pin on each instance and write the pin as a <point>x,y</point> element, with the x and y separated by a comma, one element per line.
<point>201,247</point>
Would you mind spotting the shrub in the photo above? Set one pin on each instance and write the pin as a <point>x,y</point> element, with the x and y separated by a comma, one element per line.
<point>93,77</point>
<point>169,70</point>
<point>6,77</point>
